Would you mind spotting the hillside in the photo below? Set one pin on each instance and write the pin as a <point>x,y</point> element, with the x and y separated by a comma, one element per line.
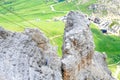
<point>16,15</point>
<point>30,56</point>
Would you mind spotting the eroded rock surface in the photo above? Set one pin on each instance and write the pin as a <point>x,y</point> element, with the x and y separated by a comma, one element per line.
<point>80,62</point>
<point>28,56</point>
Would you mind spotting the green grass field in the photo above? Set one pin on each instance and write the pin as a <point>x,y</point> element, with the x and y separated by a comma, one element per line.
<point>16,15</point>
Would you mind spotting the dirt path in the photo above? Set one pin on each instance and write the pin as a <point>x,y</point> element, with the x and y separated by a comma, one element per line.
<point>55,37</point>
<point>53,9</point>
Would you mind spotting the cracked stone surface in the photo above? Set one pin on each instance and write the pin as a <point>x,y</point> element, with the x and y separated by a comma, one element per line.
<point>28,56</point>
<point>80,62</point>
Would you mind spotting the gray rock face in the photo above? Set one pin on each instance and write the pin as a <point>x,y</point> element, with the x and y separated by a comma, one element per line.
<point>79,61</point>
<point>28,56</point>
<point>105,7</point>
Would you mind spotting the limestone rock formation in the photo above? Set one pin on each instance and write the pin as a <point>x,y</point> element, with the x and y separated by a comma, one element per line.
<point>80,62</point>
<point>28,56</point>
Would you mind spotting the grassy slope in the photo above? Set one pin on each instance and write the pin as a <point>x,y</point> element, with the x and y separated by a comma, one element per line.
<point>107,43</point>
<point>63,6</point>
<point>114,68</point>
<point>31,10</point>
<point>110,45</point>
<point>36,13</point>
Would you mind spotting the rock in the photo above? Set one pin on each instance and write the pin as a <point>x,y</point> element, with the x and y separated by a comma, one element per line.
<point>79,61</point>
<point>3,34</point>
<point>97,20</point>
<point>106,8</point>
<point>28,56</point>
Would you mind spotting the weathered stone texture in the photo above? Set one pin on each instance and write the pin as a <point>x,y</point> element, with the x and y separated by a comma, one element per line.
<point>28,56</point>
<point>79,61</point>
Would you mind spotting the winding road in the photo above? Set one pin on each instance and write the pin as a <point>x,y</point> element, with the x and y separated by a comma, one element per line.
<point>52,7</point>
<point>54,10</point>
<point>56,36</point>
